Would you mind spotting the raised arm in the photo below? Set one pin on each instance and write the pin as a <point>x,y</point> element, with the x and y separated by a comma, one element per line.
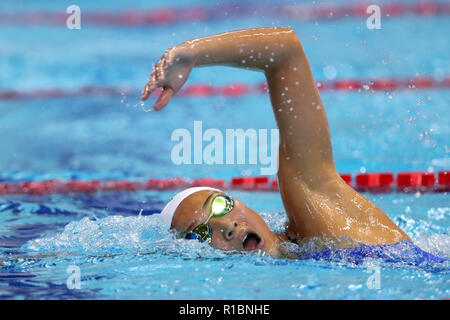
<point>316,199</point>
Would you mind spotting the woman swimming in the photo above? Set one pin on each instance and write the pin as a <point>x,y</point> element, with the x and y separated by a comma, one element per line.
<point>317,201</point>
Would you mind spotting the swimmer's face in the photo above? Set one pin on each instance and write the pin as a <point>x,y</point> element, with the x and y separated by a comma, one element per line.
<point>240,229</point>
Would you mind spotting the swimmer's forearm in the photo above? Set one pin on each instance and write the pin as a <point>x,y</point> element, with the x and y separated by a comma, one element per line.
<point>263,48</point>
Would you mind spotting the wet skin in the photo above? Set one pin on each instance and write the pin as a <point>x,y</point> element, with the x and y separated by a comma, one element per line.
<point>317,201</point>
<point>233,231</point>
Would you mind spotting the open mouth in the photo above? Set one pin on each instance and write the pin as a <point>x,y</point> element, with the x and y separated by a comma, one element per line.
<point>252,242</point>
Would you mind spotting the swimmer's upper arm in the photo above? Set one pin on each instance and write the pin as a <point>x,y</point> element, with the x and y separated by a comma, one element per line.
<point>305,142</point>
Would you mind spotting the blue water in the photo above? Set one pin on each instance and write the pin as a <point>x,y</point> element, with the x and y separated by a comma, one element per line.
<point>123,255</point>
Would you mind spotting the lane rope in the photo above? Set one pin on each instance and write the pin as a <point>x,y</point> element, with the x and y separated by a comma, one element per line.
<point>377,182</point>
<point>169,16</point>
<point>236,89</point>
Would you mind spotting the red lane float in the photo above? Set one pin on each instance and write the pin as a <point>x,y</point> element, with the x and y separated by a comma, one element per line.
<point>211,182</point>
<point>443,181</point>
<point>274,185</point>
<point>166,184</point>
<point>232,89</point>
<point>347,178</point>
<point>198,90</point>
<point>347,84</point>
<point>250,183</point>
<point>365,182</point>
<point>385,84</point>
<point>170,16</point>
<point>117,185</point>
<point>410,181</point>
<point>374,181</point>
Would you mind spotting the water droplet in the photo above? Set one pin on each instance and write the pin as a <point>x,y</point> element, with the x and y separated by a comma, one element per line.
<point>143,107</point>
<point>330,72</point>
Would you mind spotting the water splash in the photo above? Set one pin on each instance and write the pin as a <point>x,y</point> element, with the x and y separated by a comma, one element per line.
<point>145,235</point>
<point>121,235</point>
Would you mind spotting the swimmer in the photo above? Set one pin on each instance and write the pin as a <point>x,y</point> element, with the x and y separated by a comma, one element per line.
<point>318,203</point>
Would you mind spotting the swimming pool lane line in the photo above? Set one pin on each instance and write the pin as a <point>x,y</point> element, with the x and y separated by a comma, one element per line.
<point>235,89</point>
<point>381,182</point>
<point>170,16</point>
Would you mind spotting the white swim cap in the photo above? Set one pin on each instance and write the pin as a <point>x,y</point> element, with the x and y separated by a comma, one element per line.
<point>168,212</point>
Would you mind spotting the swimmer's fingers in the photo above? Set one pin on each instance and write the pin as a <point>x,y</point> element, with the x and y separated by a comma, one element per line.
<point>170,73</point>
<point>164,98</point>
<point>156,80</point>
<point>149,88</point>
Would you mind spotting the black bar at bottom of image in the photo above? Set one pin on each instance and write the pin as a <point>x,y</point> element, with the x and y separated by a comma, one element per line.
<point>222,309</point>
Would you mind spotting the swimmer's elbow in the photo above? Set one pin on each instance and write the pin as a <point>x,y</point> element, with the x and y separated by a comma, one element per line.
<point>287,38</point>
<point>295,45</point>
<point>290,47</point>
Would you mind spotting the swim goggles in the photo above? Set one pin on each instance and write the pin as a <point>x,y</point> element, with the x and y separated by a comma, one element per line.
<point>220,206</point>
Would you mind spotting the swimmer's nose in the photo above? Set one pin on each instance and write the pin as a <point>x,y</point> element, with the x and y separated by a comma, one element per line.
<point>230,231</point>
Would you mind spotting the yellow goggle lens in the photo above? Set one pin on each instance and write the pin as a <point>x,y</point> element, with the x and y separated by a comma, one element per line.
<point>221,205</point>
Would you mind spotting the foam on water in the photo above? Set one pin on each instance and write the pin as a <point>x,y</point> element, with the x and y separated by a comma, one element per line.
<point>144,235</point>
<point>119,235</point>
<point>436,243</point>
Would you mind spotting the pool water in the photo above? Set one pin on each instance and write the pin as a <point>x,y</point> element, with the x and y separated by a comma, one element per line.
<point>114,238</point>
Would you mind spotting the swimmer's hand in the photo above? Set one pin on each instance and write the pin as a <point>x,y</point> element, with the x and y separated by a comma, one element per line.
<point>170,73</point>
